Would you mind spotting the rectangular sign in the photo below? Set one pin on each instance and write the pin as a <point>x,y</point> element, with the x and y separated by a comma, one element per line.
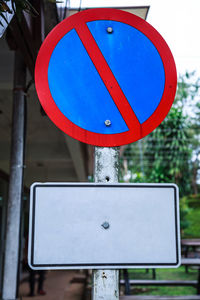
<point>98,226</point>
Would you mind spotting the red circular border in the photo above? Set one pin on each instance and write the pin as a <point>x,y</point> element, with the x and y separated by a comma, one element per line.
<point>97,139</point>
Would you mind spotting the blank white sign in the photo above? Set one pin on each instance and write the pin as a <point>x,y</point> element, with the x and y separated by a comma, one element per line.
<point>66,226</point>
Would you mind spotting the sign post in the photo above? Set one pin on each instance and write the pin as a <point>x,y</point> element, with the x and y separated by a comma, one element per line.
<point>106,282</point>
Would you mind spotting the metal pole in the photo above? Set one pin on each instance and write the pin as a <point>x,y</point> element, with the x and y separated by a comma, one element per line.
<point>106,282</point>
<point>15,185</point>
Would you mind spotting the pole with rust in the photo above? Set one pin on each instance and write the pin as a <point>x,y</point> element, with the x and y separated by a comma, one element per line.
<point>106,282</point>
<point>15,184</point>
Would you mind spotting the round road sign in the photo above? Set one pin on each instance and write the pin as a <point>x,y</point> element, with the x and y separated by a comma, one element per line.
<point>105,77</point>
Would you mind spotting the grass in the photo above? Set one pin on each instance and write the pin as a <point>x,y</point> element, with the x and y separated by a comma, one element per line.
<point>164,274</point>
<point>190,207</point>
<point>193,218</point>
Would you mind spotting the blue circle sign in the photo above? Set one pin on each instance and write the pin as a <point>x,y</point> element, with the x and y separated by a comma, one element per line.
<point>105,77</point>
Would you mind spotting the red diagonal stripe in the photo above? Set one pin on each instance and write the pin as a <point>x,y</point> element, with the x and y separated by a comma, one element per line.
<point>108,77</point>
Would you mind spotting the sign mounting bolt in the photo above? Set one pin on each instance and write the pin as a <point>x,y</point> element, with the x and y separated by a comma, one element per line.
<point>107,122</point>
<point>105,225</point>
<point>110,30</point>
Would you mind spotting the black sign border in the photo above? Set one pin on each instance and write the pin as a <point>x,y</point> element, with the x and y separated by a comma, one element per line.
<point>103,265</point>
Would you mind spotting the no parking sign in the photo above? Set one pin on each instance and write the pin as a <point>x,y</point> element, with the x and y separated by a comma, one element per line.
<point>105,77</point>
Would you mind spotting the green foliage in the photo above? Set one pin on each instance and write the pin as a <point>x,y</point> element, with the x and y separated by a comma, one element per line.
<point>193,201</point>
<point>188,87</point>
<point>18,6</point>
<point>169,151</point>
<point>190,216</point>
<point>193,230</point>
<point>4,8</point>
<point>166,155</point>
<point>184,212</point>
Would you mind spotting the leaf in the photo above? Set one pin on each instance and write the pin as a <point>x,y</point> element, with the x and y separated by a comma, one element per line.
<point>31,7</point>
<point>4,7</point>
<point>3,17</point>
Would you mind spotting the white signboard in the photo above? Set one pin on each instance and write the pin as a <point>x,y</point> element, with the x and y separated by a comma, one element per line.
<point>98,226</point>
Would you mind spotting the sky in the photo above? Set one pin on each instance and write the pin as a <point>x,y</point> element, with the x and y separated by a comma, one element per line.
<point>178,21</point>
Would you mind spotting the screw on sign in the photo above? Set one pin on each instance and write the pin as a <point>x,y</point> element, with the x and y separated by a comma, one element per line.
<point>105,77</point>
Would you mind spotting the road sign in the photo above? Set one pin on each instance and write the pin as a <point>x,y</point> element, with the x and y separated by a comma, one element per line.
<point>105,77</point>
<point>109,226</point>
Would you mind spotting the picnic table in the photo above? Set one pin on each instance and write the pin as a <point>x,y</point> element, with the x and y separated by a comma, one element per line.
<point>184,262</point>
<point>187,244</point>
<point>190,243</point>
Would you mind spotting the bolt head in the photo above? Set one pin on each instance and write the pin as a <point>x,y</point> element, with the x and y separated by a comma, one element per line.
<point>105,225</point>
<point>107,122</point>
<point>110,30</point>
